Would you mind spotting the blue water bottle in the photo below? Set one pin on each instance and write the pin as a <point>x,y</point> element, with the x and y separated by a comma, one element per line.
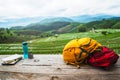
<point>25,50</point>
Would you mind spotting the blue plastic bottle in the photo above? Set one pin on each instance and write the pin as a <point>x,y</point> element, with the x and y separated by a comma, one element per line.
<point>25,50</point>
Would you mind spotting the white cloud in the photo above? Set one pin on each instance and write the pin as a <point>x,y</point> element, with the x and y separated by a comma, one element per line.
<point>30,8</point>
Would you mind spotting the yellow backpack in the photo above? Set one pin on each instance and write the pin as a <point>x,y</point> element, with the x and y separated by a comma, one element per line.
<point>76,51</point>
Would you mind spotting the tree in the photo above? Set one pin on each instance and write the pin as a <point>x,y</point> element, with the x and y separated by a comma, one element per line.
<point>116,26</point>
<point>104,32</point>
<point>82,28</point>
<point>8,31</point>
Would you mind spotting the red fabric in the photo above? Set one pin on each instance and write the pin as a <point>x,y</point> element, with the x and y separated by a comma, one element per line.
<point>105,58</point>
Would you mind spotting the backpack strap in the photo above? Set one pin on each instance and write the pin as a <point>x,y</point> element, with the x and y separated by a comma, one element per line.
<point>82,50</point>
<point>88,43</point>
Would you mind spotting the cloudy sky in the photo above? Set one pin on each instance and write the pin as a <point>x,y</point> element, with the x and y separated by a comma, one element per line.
<point>32,8</point>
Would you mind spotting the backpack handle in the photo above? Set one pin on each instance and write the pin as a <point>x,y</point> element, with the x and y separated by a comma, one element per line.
<point>88,43</point>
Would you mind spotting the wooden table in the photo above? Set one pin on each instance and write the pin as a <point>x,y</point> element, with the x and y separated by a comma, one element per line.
<point>52,67</point>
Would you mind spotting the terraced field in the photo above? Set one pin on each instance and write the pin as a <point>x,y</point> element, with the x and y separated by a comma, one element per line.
<point>55,45</point>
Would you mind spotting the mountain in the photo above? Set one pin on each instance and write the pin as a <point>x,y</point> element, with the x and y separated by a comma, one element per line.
<point>11,22</point>
<point>46,27</point>
<point>7,23</point>
<point>46,24</point>
<point>89,18</point>
<point>29,20</point>
<point>66,25</point>
<point>55,19</point>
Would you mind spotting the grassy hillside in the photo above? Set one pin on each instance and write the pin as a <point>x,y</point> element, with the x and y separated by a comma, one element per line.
<point>104,24</point>
<point>55,44</point>
<point>15,36</point>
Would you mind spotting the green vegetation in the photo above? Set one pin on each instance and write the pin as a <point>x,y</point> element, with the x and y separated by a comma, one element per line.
<point>47,26</point>
<point>55,45</point>
<point>103,24</point>
<point>116,26</point>
<point>16,36</point>
<point>51,38</point>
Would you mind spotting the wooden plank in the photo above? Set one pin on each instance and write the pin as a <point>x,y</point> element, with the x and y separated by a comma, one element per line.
<point>52,67</point>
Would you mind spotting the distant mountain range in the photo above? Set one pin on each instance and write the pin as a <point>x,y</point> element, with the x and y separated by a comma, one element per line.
<point>89,18</point>
<point>45,20</point>
<point>20,21</point>
<point>55,19</point>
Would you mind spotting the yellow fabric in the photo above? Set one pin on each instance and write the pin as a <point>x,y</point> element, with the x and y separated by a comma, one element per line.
<point>72,50</point>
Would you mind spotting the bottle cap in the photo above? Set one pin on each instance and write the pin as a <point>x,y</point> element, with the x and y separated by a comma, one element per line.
<point>24,43</point>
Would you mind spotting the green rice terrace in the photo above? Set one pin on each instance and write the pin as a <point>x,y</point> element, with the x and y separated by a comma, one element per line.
<point>55,44</point>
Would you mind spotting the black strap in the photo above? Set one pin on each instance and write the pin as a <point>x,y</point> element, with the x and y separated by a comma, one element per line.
<point>82,50</point>
<point>88,43</point>
<point>80,54</point>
